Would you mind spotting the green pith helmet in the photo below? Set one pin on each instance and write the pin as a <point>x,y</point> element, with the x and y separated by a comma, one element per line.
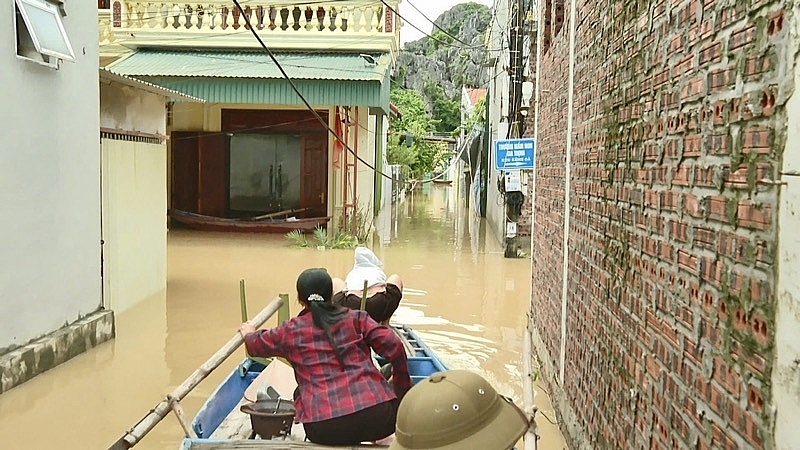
<point>457,409</point>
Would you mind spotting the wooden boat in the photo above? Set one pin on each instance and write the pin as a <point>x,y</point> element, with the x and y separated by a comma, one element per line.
<point>255,225</point>
<point>220,424</point>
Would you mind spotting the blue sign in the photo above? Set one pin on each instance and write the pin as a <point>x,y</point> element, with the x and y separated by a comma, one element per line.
<point>512,154</point>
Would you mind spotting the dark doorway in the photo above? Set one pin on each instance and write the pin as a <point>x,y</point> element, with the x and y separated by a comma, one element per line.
<point>261,162</point>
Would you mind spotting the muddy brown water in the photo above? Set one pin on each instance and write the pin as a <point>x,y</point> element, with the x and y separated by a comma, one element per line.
<point>462,296</point>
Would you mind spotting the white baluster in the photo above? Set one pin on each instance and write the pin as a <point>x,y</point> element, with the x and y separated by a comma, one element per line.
<point>362,20</point>
<point>229,17</point>
<point>212,16</point>
<point>129,15</point>
<point>139,14</point>
<point>326,20</point>
<point>146,15</point>
<point>380,21</point>
<point>193,18</point>
<point>376,20</point>
<point>301,20</point>
<point>182,18</point>
<point>341,16</point>
<point>175,13</point>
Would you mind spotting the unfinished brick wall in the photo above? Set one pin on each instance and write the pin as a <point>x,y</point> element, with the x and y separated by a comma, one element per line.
<point>679,131</point>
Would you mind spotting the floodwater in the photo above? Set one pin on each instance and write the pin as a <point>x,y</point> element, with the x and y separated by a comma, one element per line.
<point>462,296</point>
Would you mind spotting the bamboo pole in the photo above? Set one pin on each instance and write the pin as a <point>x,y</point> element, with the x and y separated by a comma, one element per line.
<point>529,405</point>
<point>364,296</point>
<point>242,300</point>
<point>148,422</point>
<point>178,410</point>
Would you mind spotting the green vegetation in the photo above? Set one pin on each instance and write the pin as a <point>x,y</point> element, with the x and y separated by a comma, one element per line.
<point>339,240</point>
<point>446,111</point>
<point>478,115</point>
<point>406,147</point>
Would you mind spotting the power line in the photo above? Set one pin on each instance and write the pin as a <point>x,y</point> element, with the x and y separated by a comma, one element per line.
<point>300,95</point>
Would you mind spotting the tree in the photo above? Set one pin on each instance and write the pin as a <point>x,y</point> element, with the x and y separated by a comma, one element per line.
<point>447,111</point>
<point>406,144</point>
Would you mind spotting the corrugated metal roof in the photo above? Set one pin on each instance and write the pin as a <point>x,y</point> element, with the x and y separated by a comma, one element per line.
<point>279,92</point>
<point>239,64</point>
<point>107,75</point>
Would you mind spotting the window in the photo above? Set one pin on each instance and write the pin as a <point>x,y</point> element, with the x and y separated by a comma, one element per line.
<point>40,33</point>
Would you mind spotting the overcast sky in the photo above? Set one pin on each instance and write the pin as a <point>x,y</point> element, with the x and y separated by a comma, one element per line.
<point>431,9</point>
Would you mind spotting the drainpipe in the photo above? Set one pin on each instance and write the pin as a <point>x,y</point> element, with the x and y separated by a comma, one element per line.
<point>567,185</point>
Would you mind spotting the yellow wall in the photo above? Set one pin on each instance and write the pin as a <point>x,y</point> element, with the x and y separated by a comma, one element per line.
<point>134,221</point>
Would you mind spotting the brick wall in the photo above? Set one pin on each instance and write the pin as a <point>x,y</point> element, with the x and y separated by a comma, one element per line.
<point>678,132</point>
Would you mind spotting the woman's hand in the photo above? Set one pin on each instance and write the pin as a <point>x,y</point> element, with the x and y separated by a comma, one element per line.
<point>246,329</point>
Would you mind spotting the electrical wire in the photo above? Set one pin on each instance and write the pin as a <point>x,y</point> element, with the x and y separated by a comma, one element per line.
<point>300,95</point>
<point>126,16</point>
<point>298,66</point>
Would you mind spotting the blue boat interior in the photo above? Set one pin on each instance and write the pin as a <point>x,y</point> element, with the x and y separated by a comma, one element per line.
<point>228,394</point>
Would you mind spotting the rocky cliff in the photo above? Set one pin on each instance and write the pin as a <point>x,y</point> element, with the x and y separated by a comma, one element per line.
<point>439,65</point>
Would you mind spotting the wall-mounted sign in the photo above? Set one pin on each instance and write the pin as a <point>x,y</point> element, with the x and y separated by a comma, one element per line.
<point>510,154</point>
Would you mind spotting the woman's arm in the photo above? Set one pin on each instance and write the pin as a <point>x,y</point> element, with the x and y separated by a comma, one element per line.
<point>387,344</point>
<point>262,343</point>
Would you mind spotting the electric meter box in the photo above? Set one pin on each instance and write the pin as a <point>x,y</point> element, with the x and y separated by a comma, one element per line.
<point>513,181</point>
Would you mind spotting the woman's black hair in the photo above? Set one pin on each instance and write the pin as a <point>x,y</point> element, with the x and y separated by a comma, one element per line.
<point>324,313</point>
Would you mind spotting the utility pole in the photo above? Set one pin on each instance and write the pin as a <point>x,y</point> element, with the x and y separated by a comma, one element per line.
<point>512,180</point>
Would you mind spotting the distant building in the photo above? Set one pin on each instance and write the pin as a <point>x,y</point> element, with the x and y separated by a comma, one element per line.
<point>254,147</point>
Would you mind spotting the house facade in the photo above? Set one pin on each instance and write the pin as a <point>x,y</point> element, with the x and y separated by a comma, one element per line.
<point>298,124</point>
<point>49,188</point>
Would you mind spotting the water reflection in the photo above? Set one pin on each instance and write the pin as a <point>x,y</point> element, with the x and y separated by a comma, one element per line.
<point>465,300</point>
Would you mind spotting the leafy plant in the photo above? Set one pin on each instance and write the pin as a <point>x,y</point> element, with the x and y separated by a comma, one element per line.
<point>297,238</point>
<point>341,239</point>
<point>415,155</point>
<point>344,240</point>
<point>321,235</point>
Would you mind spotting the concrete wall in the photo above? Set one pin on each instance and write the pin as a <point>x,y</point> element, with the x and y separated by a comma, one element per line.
<point>132,110</point>
<point>786,371</point>
<point>49,183</point>
<point>134,174</point>
<point>366,176</point>
<point>497,93</point>
<point>656,305</point>
<point>134,221</point>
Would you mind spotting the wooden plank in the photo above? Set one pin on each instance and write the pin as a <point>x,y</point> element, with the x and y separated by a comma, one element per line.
<point>236,425</point>
<point>410,351</point>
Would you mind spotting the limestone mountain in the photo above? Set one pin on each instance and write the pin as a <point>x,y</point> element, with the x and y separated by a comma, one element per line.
<point>437,66</point>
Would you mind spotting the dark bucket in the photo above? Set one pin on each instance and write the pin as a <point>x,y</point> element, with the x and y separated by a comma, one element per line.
<point>270,417</point>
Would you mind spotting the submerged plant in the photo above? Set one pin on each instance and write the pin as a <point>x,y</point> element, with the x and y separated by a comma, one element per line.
<point>297,238</point>
<point>321,235</point>
<point>344,240</point>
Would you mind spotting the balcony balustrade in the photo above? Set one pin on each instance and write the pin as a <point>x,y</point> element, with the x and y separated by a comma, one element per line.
<point>342,25</point>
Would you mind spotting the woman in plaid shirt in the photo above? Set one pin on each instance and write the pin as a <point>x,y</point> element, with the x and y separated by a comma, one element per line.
<point>342,398</point>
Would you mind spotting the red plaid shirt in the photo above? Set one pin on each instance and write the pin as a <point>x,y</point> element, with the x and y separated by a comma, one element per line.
<point>326,389</point>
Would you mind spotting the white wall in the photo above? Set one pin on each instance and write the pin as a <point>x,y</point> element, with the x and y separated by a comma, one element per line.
<point>366,151</point>
<point>134,221</point>
<point>131,109</point>
<point>134,176</point>
<point>786,371</point>
<point>49,183</point>
<point>498,107</point>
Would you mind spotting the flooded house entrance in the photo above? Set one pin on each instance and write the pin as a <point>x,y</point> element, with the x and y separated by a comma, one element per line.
<point>262,162</point>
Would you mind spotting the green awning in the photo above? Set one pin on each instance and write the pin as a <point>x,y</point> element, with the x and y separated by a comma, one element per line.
<point>324,79</point>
